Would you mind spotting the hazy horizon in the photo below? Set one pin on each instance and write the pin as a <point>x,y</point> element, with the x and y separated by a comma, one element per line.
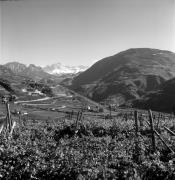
<point>81,32</point>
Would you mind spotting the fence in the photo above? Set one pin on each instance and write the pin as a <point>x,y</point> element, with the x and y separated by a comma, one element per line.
<point>7,124</point>
<point>136,115</point>
<point>153,130</point>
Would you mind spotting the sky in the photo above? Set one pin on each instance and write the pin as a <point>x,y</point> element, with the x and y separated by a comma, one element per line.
<point>81,32</point>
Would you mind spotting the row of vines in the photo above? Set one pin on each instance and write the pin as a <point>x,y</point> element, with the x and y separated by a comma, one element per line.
<point>87,149</point>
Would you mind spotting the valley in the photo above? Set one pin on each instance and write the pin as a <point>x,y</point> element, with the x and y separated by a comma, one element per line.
<point>87,90</point>
<point>61,138</point>
<point>93,125</point>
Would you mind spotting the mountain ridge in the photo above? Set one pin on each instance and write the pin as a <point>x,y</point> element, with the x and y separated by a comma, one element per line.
<point>125,76</point>
<point>132,76</point>
<point>30,71</point>
<point>53,69</point>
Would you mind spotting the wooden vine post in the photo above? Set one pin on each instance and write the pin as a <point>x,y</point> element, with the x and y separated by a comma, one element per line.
<point>158,120</point>
<point>110,109</point>
<point>169,130</point>
<point>152,131</point>
<point>136,123</point>
<point>20,118</point>
<point>7,125</point>
<point>137,154</point>
<point>79,116</point>
<point>76,123</point>
<point>72,113</point>
<point>141,121</point>
<point>164,142</point>
<point>9,121</point>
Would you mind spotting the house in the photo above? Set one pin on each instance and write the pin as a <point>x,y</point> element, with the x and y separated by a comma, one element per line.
<point>35,93</point>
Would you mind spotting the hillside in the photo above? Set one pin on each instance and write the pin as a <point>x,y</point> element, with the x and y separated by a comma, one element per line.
<point>125,76</point>
<point>16,77</point>
<point>11,77</point>
<point>162,99</point>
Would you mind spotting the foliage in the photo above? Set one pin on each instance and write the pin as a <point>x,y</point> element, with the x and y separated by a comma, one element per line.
<point>41,150</point>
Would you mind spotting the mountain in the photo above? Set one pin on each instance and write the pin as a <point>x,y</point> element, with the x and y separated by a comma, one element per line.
<point>125,76</point>
<point>16,67</point>
<point>5,72</point>
<point>60,69</point>
<point>14,78</point>
<point>10,76</point>
<point>162,99</point>
<point>35,72</point>
<point>31,71</point>
<point>7,80</point>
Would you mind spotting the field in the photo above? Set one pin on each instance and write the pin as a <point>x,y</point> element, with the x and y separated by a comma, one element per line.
<point>51,143</point>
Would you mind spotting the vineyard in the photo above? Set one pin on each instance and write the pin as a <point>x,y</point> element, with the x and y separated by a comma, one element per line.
<point>78,144</point>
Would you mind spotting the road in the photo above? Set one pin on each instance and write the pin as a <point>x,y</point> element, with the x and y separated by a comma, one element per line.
<point>35,100</point>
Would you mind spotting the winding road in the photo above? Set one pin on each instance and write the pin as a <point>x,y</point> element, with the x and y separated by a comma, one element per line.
<point>35,100</point>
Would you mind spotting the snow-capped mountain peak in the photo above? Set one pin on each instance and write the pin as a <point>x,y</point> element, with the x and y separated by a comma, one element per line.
<point>59,68</point>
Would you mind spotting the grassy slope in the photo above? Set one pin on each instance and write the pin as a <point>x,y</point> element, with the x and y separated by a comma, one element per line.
<point>162,99</point>
<point>127,75</point>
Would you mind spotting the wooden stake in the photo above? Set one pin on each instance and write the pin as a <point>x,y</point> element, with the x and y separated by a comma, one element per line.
<point>13,126</point>
<point>110,111</point>
<point>163,141</point>
<point>137,154</point>
<point>158,121</point>
<point>8,116</point>
<point>76,123</point>
<point>80,116</point>
<point>20,119</point>
<point>2,127</point>
<point>136,123</point>
<point>141,121</point>
<point>152,131</point>
<point>171,132</point>
<point>72,113</point>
